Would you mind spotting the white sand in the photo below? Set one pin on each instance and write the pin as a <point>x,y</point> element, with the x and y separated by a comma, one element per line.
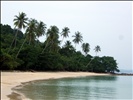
<point>12,79</point>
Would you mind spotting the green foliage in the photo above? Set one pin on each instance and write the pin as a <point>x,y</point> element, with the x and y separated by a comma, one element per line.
<point>77,38</point>
<point>31,54</point>
<point>48,61</point>
<point>7,62</point>
<point>103,64</point>
<point>86,47</point>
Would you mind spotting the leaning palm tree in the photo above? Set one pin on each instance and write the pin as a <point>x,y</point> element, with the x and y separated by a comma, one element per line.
<point>20,47</point>
<point>77,38</point>
<point>39,31</point>
<point>31,30</point>
<point>52,38</point>
<point>65,32</point>
<point>97,49</point>
<point>20,22</point>
<point>67,44</point>
<point>29,34</point>
<point>85,48</point>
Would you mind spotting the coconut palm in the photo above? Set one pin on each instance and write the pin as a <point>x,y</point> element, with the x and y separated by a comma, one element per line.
<point>77,38</point>
<point>20,22</point>
<point>31,30</point>
<point>52,38</point>
<point>86,47</point>
<point>30,33</point>
<point>41,28</point>
<point>39,31</point>
<point>68,45</point>
<point>65,32</point>
<point>97,49</point>
<point>53,35</point>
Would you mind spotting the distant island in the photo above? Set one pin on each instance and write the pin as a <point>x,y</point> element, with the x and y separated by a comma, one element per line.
<point>23,51</point>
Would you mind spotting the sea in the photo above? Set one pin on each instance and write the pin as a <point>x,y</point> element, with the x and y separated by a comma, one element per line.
<point>80,88</point>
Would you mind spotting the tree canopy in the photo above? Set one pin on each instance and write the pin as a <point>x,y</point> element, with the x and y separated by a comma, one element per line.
<point>31,54</point>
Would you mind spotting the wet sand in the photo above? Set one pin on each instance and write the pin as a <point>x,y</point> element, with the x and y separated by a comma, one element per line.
<point>9,80</point>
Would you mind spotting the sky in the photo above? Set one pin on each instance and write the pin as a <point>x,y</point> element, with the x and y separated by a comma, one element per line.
<point>104,23</point>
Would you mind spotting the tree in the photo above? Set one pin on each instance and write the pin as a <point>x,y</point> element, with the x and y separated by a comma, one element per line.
<point>66,59</point>
<point>7,62</point>
<point>52,39</point>
<point>109,64</point>
<point>77,38</point>
<point>31,30</point>
<point>67,49</point>
<point>86,47</point>
<point>19,22</point>
<point>68,45</point>
<point>97,49</point>
<point>65,32</point>
<point>29,56</point>
<point>41,29</point>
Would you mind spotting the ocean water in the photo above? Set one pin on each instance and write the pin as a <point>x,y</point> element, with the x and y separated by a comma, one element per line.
<point>82,88</point>
<point>126,71</point>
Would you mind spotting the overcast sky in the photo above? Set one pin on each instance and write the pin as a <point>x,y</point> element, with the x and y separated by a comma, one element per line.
<point>104,23</point>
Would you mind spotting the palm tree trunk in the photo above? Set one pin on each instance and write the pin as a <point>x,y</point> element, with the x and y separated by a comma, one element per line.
<point>15,38</point>
<point>62,39</point>
<point>89,62</point>
<point>21,47</point>
<point>45,47</point>
<point>13,42</point>
<point>96,53</point>
<point>75,45</point>
<point>60,44</point>
<point>10,45</point>
<point>30,41</point>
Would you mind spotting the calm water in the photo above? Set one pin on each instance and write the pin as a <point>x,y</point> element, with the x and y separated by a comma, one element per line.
<point>83,88</point>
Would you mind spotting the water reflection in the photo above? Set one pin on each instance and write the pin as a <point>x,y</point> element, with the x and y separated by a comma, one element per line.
<point>83,88</point>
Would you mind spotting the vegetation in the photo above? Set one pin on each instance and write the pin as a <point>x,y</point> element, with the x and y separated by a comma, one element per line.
<point>23,51</point>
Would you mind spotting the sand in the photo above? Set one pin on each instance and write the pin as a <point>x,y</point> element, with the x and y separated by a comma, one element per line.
<point>9,80</point>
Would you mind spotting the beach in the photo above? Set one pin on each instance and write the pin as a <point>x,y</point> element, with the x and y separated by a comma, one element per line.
<point>9,80</point>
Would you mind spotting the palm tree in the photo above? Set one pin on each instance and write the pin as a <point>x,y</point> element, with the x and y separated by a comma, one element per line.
<point>52,38</point>
<point>78,38</point>
<point>86,47</point>
<point>30,33</point>
<point>21,47</point>
<point>68,45</point>
<point>97,49</point>
<point>39,31</point>
<point>20,22</point>
<point>65,32</point>
<point>31,30</point>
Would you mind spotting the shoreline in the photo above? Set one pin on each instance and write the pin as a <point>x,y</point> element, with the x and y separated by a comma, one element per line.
<point>12,80</point>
